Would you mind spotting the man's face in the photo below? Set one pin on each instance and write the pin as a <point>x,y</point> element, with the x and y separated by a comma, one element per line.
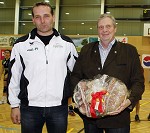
<point>43,20</point>
<point>106,30</point>
<point>7,54</point>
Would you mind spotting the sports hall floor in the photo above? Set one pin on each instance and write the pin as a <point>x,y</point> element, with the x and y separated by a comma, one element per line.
<point>75,124</point>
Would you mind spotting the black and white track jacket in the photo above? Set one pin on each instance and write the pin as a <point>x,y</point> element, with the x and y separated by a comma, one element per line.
<point>39,74</point>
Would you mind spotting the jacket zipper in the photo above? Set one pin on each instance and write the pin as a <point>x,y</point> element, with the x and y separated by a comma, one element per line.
<point>46,55</point>
<point>46,72</point>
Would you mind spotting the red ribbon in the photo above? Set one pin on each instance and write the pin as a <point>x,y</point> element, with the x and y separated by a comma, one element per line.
<point>97,97</point>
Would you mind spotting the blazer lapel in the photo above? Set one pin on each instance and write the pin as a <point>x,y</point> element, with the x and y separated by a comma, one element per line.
<point>112,54</point>
<point>96,55</point>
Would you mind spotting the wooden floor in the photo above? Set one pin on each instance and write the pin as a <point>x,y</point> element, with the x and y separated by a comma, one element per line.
<point>75,124</point>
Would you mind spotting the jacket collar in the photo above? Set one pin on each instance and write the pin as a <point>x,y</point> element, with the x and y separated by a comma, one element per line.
<point>34,31</point>
<point>112,54</point>
<point>117,52</point>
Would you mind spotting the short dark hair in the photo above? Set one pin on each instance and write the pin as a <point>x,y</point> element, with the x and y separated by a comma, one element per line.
<point>7,50</point>
<point>42,4</point>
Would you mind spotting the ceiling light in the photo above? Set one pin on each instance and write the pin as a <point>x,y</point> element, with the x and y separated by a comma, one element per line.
<point>91,28</point>
<point>63,28</point>
<point>1,2</point>
<point>29,14</point>
<point>82,23</point>
<point>67,13</point>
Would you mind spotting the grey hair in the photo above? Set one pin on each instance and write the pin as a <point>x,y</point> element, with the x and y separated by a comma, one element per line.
<point>102,16</point>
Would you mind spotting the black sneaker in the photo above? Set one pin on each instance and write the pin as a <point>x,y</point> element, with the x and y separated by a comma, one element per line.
<point>148,117</point>
<point>137,119</point>
<point>71,111</point>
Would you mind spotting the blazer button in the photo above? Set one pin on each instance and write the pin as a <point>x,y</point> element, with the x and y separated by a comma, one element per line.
<point>99,68</point>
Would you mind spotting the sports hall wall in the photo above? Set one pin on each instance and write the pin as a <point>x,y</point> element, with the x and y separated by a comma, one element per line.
<point>142,43</point>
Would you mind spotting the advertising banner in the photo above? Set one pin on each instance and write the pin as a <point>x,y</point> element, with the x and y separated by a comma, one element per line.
<point>146,60</point>
<point>80,42</point>
<point>7,41</point>
<point>2,54</point>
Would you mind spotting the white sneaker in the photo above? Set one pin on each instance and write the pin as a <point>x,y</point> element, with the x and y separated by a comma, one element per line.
<point>4,100</point>
<point>1,102</point>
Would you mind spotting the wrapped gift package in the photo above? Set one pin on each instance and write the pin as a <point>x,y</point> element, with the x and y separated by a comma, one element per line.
<point>99,96</point>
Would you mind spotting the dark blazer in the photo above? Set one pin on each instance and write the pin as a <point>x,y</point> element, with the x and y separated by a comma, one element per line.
<point>123,63</point>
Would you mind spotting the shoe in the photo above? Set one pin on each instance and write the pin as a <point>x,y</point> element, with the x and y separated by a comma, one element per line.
<point>1,102</point>
<point>137,119</point>
<point>148,117</point>
<point>4,100</point>
<point>71,112</point>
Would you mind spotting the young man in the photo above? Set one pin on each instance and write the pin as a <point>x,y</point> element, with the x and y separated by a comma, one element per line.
<point>115,59</point>
<point>39,84</point>
<point>5,64</point>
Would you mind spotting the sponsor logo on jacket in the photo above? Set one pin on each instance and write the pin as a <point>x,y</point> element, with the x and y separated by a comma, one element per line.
<point>32,49</point>
<point>57,46</point>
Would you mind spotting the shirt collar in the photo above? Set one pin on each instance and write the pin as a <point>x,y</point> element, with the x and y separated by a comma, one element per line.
<point>110,44</point>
